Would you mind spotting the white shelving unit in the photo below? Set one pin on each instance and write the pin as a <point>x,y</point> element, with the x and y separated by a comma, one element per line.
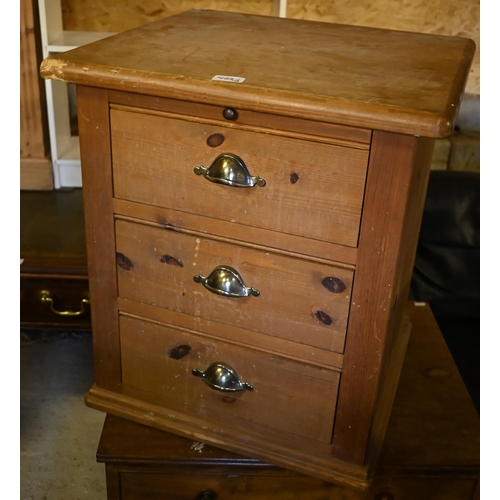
<point>65,148</point>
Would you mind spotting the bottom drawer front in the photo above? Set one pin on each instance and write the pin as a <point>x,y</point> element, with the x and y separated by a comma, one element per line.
<point>286,396</point>
<point>193,485</point>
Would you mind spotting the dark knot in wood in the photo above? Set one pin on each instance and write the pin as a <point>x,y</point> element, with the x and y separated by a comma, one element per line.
<point>123,261</point>
<point>332,284</point>
<point>168,259</point>
<point>215,140</point>
<point>179,352</point>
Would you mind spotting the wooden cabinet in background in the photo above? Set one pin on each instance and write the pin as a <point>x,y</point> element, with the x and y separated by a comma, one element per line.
<point>54,282</point>
<point>253,193</point>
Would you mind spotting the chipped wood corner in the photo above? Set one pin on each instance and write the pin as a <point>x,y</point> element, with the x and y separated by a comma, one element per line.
<point>53,68</point>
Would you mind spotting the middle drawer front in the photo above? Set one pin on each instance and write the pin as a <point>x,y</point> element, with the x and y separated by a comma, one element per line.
<point>312,189</point>
<point>284,396</point>
<point>292,299</point>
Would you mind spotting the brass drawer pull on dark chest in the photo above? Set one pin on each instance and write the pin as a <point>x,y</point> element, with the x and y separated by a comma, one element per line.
<point>222,377</point>
<point>230,170</point>
<point>46,298</point>
<point>225,280</point>
<point>207,495</point>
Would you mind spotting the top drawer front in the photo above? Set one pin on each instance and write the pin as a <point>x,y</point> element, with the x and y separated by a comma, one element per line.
<point>312,190</point>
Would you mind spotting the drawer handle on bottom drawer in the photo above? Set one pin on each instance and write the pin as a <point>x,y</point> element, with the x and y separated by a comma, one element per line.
<point>222,377</point>
<point>206,495</point>
<point>231,170</point>
<point>225,280</point>
<point>45,298</point>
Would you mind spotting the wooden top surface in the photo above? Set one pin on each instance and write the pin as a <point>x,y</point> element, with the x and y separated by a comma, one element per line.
<point>434,425</point>
<point>366,77</point>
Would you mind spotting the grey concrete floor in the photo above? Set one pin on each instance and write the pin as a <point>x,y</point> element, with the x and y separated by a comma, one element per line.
<point>58,433</point>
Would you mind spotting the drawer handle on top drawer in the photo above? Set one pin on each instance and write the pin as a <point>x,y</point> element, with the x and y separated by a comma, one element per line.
<point>231,170</point>
<point>222,377</point>
<point>225,280</point>
<point>45,298</point>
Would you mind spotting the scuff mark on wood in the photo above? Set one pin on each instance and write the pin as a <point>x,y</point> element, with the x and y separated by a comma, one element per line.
<point>228,399</point>
<point>333,284</point>
<point>165,224</point>
<point>123,261</point>
<point>168,259</point>
<point>323,317</point>
<point>179,352</point>
<point>53,68</point>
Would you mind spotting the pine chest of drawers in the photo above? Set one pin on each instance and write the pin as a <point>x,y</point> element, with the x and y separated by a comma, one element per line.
<point>253,189</point>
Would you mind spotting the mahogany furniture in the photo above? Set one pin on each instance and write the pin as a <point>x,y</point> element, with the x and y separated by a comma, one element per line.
<point>253,190</point>
<point>54,281</point>
<point>431,449</point>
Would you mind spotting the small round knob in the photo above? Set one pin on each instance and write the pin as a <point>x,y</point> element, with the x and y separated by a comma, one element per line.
<point>230,114</point>
<point>385,495</point>
<point>207,495</point>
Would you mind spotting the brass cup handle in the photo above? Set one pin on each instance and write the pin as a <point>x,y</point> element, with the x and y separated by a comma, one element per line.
<point>222,377</point>
<point>207,495</point>
<point>225,280</point>
<point>46,298</point>
<point>230,170</point>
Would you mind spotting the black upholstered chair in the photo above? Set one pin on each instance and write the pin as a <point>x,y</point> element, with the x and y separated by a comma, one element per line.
<point>447,265</point>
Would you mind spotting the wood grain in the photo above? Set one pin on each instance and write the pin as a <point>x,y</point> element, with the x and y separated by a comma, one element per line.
<point>283,449</point>
<point>36,167</point>
<point>233,334</point>
<point>460,18</point>
<point>314,190</point>
<point>363,77</point>
<point>440,17</point>
<point>36,174</point>
<point>260,239</point>
<point>93,124</point>
<point>431,448</point>
<point>404,87</point>
<point>299,301</point>
<point>115,15</point>
<point>397,179</point>
<point>286,396</point>
<point>283,125</point>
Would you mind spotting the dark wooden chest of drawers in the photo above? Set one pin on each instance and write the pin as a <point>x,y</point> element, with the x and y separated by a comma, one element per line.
<point>54,279</point>
<point>251,239</point>
<point>431,450</point>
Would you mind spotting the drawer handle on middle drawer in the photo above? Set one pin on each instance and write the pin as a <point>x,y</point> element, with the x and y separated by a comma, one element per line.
<point>231,170</point>
<point>225,280</point>
<point>222,377</point>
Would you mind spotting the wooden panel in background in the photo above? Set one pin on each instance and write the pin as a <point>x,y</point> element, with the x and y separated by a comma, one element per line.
<point>441,17</point>
<point>36,167</point>
<point>118,15</point>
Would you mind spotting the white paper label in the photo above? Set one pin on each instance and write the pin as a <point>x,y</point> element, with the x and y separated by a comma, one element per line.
<point>225,78</point>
